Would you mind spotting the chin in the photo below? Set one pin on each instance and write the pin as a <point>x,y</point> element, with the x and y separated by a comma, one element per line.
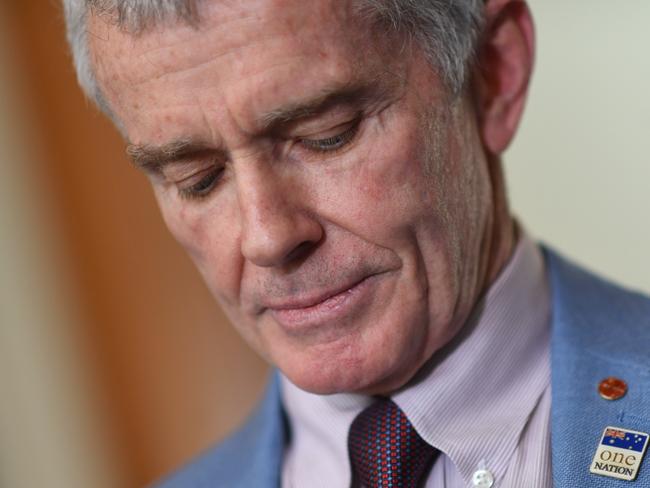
<point>325,376</point>
<point>352,370</point>
<point>346,381</point>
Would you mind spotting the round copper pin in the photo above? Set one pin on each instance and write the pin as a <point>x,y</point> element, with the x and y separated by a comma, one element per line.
<point>612,388</point>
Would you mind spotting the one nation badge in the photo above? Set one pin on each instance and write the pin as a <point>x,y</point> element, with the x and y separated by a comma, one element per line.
<point>619,453</point>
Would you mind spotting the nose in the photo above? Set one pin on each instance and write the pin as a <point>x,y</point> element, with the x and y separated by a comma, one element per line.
<point>276,229</point>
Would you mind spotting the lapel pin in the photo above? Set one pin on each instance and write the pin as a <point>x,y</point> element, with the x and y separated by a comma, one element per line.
<point>612,388</point>
<point>619,454</point>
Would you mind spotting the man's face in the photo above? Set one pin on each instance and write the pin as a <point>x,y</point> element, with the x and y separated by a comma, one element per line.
<point>333,197</point>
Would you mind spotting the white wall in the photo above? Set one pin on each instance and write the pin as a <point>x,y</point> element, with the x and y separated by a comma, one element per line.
<point>579,171</point>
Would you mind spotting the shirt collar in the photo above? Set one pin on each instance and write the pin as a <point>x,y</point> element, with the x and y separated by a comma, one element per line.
<point>474,403</point>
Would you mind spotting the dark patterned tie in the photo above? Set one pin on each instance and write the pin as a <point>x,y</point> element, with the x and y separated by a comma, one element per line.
<point>385,450</point>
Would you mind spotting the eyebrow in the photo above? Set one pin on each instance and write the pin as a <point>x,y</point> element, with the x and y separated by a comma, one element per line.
<point>153,158</point>
<point>339,95</point>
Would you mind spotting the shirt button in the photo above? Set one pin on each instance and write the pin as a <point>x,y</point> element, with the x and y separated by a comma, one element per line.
<point>482,479</point>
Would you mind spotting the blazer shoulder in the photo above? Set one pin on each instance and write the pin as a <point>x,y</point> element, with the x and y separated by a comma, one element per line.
<point>593,310</point>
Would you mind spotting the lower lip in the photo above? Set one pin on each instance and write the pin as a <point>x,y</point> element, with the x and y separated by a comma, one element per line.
<point>335,308</point>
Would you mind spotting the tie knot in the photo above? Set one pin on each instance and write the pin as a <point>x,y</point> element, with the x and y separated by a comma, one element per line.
<point>385,450</point>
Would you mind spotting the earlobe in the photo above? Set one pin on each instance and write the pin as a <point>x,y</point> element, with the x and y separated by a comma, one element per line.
<point>503,71</point>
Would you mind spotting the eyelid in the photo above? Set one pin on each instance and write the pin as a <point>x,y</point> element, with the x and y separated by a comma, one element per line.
<point>195,176</point>
<point>185,168</point>
<point>207,179</point>
<point>203,171</point>
<point>333,139</point>
<point>323,130</point>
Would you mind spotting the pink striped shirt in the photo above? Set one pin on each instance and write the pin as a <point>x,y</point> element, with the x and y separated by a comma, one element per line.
<point>484,401</point>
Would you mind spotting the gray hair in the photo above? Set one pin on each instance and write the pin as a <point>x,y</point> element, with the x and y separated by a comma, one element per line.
<point>447,30</point>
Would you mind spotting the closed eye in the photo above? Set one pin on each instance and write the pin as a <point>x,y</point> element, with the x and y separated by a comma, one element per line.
<point>341,136</point>
<point>201,184</point>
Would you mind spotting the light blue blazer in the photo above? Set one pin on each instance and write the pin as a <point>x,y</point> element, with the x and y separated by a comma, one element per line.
<point>599,330</point>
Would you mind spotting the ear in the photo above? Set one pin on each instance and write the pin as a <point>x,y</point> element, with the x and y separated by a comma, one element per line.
<point>503,71</point>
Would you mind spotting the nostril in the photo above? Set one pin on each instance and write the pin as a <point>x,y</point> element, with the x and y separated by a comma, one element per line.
<point>301,251</point>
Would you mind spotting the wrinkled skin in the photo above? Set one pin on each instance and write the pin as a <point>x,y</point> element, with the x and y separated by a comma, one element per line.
<point>348,242</point>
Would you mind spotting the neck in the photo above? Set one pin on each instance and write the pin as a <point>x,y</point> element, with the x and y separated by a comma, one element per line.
<point>501,238</point>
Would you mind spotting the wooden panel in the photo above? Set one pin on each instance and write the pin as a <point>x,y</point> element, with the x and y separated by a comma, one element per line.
<point>174,375</point>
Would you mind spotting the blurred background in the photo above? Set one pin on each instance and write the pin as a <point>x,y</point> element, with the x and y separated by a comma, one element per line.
<point>115,364</point>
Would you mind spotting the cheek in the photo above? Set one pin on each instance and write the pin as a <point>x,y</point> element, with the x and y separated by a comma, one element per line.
<point>389,172</point>
<point>209,233</point>
<point>387,188</point>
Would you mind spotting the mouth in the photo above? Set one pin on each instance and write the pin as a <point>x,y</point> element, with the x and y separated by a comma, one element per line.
<point>303,313</point>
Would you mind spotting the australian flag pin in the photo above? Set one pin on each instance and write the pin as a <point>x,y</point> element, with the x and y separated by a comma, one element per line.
<point>619,453</point>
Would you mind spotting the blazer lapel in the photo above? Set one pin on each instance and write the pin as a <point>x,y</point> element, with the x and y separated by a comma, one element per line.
<point>257,450</point>
<point>599,331</point>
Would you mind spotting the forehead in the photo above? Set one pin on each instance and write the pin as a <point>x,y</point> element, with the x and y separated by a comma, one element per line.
<point>253,54</point>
